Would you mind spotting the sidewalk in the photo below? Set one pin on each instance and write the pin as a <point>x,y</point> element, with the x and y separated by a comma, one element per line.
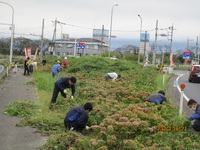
<point>12,137</point>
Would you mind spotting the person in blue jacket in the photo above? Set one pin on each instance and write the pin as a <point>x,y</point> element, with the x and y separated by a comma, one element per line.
<point>196,116</point>
<point>157,98</point>
<point>56,69</point>
<point>60,86</point>
<point>77,117</point>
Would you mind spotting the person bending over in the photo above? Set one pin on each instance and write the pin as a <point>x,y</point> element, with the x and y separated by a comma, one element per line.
<point>60,86</point>
<point>157,98</point>
<point>196,116</point>
<point>77,117</point>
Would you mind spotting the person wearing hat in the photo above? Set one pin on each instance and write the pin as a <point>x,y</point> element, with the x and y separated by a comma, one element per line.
<point>65,63</point>
<point>112,76</point>
<point>77,117</point>
<point>56,69</point>
<point>61,85</point>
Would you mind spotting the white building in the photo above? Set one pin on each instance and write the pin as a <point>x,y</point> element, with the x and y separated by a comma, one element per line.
<point>81,46</point>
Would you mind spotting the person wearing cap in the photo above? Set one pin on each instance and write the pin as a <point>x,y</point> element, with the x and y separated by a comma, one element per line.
<point>61,85</point>
<point>26,67</point>
<point>157,98</point>
<point>112,76</point>
<point>65,63</point>
<point>56,69</point>
<point>77,117</point>
<point>196,116</point>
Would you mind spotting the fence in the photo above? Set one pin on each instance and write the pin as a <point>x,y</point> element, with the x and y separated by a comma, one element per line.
<point>3,71</point>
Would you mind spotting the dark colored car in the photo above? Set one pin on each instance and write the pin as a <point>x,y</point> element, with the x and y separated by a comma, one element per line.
<point>194,74</point>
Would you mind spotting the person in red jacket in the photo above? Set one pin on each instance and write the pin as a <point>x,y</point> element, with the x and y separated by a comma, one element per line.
<point>65,63</point>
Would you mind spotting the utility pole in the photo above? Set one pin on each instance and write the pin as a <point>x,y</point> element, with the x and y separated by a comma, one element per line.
<point>155,44</point>
<point>54,37</point>
<point>162,50</point>
<point>140,38</point>
<point>41,52</point>
<point>171,39</point>
<point>54,33</point>
<point>188,43</point>
<point>145,40</point>
<point>75,47</point>
<point>61,23</point>
<point>102,35</point>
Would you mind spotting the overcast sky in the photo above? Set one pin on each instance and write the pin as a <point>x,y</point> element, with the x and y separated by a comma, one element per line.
<point>81,16</point>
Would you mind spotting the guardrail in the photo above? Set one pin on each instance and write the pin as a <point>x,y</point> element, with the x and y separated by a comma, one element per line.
<point>3,71</point>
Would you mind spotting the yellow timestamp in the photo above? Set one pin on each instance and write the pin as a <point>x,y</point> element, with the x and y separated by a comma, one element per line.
<point>171,128</point>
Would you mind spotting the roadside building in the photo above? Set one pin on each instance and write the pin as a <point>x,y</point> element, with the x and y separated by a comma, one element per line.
<point>77,47</point>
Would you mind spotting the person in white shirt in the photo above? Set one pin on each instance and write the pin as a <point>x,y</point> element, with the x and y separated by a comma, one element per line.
<point>146,64</point>
<point>112,76</point>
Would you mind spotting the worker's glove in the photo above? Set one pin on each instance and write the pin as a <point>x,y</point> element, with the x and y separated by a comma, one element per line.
<point>87,128</point>
<point>72,128</point>
<point>65,91</point>
<point>72,97</point>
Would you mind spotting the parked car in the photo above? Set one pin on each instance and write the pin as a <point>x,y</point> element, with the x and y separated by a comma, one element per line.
<point>194,75</point>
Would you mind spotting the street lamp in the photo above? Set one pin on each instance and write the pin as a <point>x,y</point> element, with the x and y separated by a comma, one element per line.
<point>140,38</point>
<point>12,30</point>
<point>61,23</point>
<point>111,30</point>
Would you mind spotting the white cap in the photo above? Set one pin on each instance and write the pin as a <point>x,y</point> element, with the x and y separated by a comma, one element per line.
<point>65,58</point>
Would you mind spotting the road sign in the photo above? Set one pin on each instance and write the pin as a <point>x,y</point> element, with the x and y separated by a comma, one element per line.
<point>80,45</point>
<point>186,54</point>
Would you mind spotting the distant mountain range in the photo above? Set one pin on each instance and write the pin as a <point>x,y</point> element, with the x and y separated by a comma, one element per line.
<point>116,43</point>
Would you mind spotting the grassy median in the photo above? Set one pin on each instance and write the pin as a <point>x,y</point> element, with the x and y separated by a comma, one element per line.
<point>120,119</point>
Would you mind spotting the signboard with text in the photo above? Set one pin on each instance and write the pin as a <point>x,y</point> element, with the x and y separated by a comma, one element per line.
<point>145,37</point>
<point>80,45</point>
<point>186,54</point>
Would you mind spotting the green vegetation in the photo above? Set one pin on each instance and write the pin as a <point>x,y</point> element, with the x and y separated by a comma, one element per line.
<point>120,119</point>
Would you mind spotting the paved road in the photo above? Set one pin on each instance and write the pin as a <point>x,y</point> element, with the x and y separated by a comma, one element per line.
<point>174,92</point>
<point>192,89</point>
<point>12,137</point>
